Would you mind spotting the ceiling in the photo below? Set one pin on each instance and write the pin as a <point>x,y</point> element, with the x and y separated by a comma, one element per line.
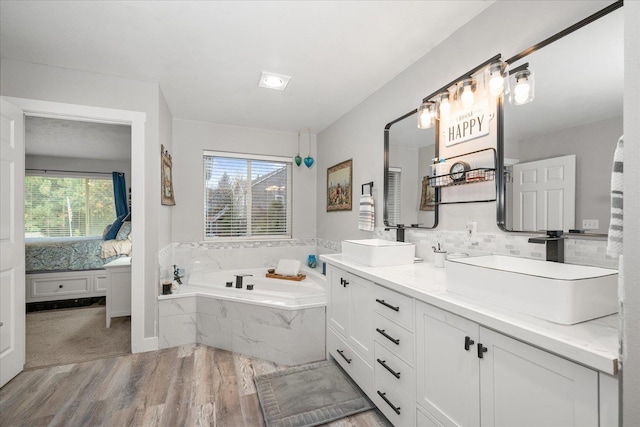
<point>78,140</point>
<point>207,56</point>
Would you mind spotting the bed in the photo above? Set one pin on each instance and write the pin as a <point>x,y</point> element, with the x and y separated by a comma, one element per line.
<point>68,268</point>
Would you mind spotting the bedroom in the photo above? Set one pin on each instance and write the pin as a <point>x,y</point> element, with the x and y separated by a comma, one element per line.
<point>70,236</point>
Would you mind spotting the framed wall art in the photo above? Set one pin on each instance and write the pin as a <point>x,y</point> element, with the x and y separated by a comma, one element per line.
<point>167,197</point>
<point>428,198</point>
<point>339,186</point>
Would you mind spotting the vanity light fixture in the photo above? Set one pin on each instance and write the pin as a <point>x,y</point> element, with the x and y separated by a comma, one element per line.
<point>273,81</point>
<point>498,78</point>
<point>426,115</point>
<point>465,91</point>
<point>523,86</point>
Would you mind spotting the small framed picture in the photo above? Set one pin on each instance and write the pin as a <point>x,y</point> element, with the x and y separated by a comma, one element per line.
<point>339,187</point>
<point>428,198</point>
<point>167,182</point>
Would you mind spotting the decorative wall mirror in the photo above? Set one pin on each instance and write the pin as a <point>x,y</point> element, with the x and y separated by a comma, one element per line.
<point>408,200</point>
<point>557,151</point>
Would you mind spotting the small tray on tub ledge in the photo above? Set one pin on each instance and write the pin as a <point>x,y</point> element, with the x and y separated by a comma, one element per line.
<point>272,275</point>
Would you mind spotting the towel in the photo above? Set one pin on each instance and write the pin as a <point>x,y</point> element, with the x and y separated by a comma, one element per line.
<point>614,241</point>
<point>288,267</point>
<point>366,217</point>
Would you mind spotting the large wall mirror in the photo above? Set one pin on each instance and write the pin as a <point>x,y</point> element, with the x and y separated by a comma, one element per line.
<point>557,151</point>
<point>408,152</point>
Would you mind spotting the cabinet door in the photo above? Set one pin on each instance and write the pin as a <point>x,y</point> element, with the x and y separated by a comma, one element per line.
<point>447,374</point>
<point>525,386</point>
<point>361,312</point>
<point>339,301</point>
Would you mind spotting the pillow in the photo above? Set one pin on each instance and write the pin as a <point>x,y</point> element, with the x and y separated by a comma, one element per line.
<point>124,231</point>
<point>115,227</point>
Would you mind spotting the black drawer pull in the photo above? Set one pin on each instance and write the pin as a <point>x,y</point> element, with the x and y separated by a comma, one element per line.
<point>61,286</point>
<point>384,397</point>
<point>394,373</point>
<point>481,350</point>
<point>468,342</point>
<point>395,341</point>
<point>341,353</point>
<point>386,304</point>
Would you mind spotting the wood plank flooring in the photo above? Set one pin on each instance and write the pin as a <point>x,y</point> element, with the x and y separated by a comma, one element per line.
<point>191,385</point>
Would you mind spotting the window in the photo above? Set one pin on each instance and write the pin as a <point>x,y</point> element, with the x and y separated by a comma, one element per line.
<point>67,206</point>
<point>394,214</point>
<point>246,196</point>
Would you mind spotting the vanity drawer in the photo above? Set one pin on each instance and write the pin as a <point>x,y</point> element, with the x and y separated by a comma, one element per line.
<point>394,306</point>
<point>59,287</point>
<point>389,367</point>
<point>394,337</point>
<point>350,361</point>
<point>398,407</point>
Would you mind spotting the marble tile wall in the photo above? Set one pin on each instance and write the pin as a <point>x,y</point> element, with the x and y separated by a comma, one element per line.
<point>289,337</point>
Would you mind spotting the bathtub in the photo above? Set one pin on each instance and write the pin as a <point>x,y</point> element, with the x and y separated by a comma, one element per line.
<point>279,320</point>
<point>267,292</point>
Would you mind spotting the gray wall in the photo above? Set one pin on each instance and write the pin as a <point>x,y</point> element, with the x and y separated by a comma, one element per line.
<point>504,27</point>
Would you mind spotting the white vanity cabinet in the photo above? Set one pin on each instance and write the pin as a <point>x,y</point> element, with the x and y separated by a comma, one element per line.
<point>349,335</point>
<point>469,375</point>
<point>394,349</point>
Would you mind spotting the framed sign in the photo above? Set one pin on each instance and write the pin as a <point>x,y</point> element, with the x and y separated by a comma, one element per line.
<point>167,182</point>
<point>339,186</point>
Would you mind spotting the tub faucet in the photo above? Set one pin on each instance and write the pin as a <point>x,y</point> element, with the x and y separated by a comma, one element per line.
<point>239,278</point>
<point>554,243</point>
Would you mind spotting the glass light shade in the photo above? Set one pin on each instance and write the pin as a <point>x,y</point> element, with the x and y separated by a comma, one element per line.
<point>497,76</point>
<point>466,89</point>
<point>523,88</point>
<point>426,115</point>
<point>443,107</point>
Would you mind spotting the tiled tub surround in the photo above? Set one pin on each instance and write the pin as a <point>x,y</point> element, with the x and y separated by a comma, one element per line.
<point>213,256</point>
<point>281,331</point>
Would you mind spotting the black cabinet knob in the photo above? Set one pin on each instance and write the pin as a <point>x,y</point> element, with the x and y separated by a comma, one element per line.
<point>60,286</point>
<point>468,342</point>
<point>481,350</point>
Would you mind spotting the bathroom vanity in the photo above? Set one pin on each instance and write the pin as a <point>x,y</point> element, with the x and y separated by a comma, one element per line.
<point>429,357</point>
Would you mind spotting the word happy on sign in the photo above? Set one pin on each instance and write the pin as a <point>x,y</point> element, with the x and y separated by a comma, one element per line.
<point>467,124</point>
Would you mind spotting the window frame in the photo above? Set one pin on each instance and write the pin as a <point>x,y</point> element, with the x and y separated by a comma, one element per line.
<point>289,194</point>
<point>46,173</point>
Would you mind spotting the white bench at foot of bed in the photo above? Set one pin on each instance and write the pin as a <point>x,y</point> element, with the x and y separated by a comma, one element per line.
<point>53,286</point>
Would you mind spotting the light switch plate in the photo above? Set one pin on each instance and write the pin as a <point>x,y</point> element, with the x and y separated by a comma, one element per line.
<point>590,224</point>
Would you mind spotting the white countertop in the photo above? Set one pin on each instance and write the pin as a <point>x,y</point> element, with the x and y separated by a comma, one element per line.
<point>593,343</point>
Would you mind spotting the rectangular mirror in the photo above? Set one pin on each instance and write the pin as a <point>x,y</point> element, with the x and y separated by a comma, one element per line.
<point>408,152</point>
<point>557,150</point>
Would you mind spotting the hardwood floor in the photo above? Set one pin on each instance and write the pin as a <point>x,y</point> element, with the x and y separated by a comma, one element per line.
<point>191,385</point>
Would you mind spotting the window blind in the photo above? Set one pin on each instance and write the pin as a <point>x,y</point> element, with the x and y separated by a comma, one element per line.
<point>65,206</point>
<point>394,206</point>
<point>246,197</point>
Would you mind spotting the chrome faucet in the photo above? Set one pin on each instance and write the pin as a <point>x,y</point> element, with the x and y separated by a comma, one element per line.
<point>239,278</point>
<point>554,243</point>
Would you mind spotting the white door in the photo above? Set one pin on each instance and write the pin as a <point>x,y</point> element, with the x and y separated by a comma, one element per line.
<point>544,194</point>
<point>527,387</point>
<point>12,291</point>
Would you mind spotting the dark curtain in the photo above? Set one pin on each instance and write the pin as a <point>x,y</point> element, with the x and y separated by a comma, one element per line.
<point>120,194</point>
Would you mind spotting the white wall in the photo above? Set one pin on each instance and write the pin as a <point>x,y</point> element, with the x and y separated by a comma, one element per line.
<point>504,27</point>
<point>166,131</point>
<point>631,271</point>
<point>191,138</point>
<point>41,82</point>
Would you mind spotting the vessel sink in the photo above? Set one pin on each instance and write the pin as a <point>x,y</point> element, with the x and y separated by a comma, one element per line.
<point>378,252</point>
<point>562,293</point>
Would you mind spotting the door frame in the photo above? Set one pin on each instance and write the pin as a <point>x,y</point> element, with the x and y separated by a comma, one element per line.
<point>137,120</point>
